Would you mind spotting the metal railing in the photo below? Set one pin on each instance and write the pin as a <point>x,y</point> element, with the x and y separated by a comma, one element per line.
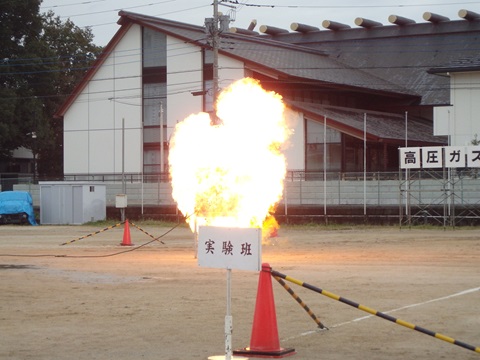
<point>443,197</point>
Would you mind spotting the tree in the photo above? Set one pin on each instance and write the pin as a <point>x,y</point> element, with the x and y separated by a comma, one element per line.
<point>21,24</point>
<point>42,63</point>
<point>74,53</point>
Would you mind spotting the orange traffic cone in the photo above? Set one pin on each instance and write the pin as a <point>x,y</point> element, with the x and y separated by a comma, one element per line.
<point>264,340</point>
<point>126,235</point>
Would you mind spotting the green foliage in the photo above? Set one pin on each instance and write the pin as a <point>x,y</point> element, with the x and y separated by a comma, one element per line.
<point>42,59</point>
<point>20,27</point>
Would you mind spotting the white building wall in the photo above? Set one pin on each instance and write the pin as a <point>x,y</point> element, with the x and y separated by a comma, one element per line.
<point>465,95</point>
<point>76,149</point>
<point>184,75</point>
<point>184,67</point>
<point>294,148</point>
<point>93,124</point>
<point>441,120</point>
<point>460,120</point>
<point>229,71</point>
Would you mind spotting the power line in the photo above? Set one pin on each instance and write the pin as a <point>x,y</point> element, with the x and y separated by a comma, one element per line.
<point>136,52</point>
<point>369,49</point>
<point>305,81</point>
<point>138,6</point>
<point>80,3</point>
<point>346,6</point>
<point>190,86</point>
<point>117,9</point>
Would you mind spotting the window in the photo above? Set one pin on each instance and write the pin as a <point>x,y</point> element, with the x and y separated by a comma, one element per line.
<point>317,136</point>
<point>154,98</point>
<point>154,48</point>
<point>151,161</point>
<point>354,160</point>
<point>154,102</point>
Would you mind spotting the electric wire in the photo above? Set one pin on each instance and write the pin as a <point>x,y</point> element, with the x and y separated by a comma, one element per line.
<point>365,48</point>
<point>241,5</point>
<point>117,9</point>
<point>160,14</point>
<point>248,4</point>
<point>97,256</point>
<point>79,3</point>
<point>137,52</point>
<point>437,87</point>
<point>10,63</point>
<point>236,2</point>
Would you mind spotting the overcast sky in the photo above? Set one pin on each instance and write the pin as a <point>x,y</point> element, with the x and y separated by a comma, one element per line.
<point>102,15</point>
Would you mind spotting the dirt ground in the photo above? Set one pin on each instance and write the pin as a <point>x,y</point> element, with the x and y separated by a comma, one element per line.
<point>86,300</point>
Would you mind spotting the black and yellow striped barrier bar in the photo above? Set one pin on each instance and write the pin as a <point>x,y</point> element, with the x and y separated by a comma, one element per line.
<point>376,313</point>
<point>146,233</point>
<point>300,301</point>
<point>94,233</point>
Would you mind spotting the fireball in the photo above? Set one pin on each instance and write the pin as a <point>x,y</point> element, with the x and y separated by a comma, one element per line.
<point>231,173</point>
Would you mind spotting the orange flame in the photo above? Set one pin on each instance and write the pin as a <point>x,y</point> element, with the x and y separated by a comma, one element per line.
<point>231,174</point>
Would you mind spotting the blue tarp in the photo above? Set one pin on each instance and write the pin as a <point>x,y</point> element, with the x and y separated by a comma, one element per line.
<point>17,202</point>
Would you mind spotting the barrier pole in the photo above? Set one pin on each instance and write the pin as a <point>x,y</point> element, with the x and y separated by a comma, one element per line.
<point>146,233</point>
<point>377,313</point>
<point>302,304</point>
<point>92,234</point>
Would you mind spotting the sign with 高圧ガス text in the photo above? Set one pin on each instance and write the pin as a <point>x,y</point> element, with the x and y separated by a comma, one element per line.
<point>439,157</point>
<point>230,248</point>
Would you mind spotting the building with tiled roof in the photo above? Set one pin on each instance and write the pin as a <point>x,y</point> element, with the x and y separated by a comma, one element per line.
<point>375,87</point>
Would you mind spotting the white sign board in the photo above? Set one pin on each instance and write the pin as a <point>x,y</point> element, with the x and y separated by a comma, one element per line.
<point>410,158</point>
<point>230,248</point>
<point>455,157</point>
<point>440,156</point>
<point>432,157</point>
<point>473,156</point>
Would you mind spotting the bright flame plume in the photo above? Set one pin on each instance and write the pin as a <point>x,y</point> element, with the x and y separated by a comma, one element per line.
<point>231,174</point>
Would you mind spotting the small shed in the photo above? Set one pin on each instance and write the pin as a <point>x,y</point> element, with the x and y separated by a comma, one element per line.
<point>65,203</point>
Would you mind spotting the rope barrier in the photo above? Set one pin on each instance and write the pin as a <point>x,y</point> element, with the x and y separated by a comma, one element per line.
<point>376,313</point>
<point>97,256</point>
<point>92,234</point>
<point>146,233</point>
<point>302,304</point>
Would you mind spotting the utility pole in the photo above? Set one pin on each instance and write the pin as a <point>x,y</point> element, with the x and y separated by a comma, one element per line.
<point>215,45</point>
<point>214,26</point>
<point>124,185</point>
<point>162,143</point>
